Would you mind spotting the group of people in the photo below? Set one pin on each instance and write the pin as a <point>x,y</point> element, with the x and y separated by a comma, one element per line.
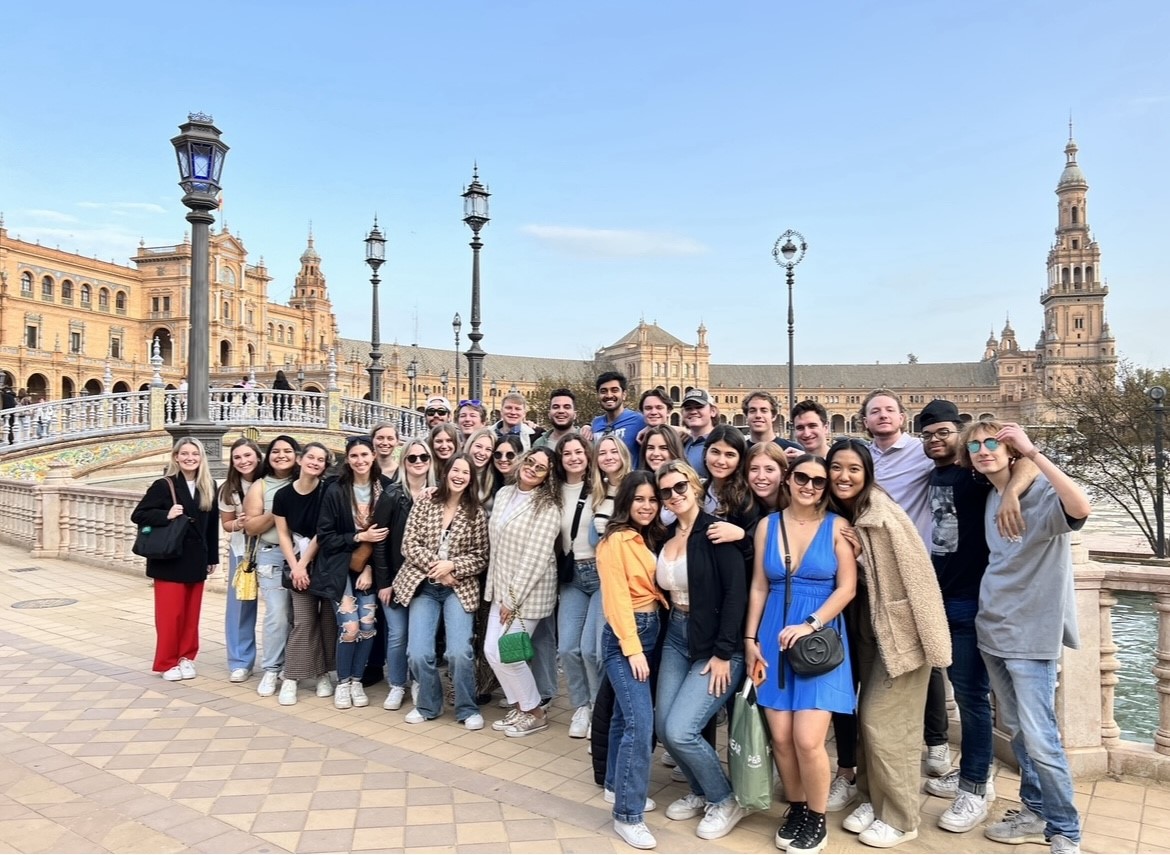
<point>661,567</point>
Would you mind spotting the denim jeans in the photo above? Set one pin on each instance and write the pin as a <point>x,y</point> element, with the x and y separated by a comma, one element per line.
<point>397,622</point>
<point>684,707</point>
<point>544,663</point>
<point>632,725</point>
<point>239,624</point>
<point>579,619</point>
<point>277,606</point>
<point>1025,693</point>
<point>354,643</point>
<point>969,678</point>
<point>429,602</point>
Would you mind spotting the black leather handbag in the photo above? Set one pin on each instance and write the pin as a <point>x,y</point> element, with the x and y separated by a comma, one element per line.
<point>822,650</point>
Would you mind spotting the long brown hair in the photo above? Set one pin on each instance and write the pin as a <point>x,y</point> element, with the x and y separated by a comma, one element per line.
<point>653,534</point>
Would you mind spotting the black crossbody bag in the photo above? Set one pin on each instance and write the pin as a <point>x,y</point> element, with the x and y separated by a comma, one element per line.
<point>822,650</point>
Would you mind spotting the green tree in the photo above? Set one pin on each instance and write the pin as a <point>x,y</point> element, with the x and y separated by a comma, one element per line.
<point>1103,435</point>
<point>581,383</point>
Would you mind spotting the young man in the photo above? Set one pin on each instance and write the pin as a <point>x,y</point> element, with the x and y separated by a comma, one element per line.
<point>471,416</point>
<point>562,416</point>
<point>699,416</point>
<point>615,420</point>
<point>656,407</point>
<point>760,409</point>
<point>437,411</point>
<point>810,425</point>
<point>1027,613</point>
<point>512,411</point>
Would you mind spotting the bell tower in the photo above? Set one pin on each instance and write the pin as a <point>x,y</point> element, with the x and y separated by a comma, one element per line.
<point>1076,336</point>
<point>311,296</point>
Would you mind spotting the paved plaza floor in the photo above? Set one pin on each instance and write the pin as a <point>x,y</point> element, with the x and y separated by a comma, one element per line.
<point>97,754</point>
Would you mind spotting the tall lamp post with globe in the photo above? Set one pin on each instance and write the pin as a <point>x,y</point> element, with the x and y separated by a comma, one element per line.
<point>475,215</point>
<point>788,254</point>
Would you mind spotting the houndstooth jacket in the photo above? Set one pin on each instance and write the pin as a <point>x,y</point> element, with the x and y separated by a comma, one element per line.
<point>522,572</point>
<point>468,548</point>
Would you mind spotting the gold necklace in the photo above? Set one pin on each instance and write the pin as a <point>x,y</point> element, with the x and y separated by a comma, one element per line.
<point>798,521</point>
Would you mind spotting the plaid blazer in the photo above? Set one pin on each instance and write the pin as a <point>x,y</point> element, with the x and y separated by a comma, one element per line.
<point>468,548</point>
<point>522,572</point>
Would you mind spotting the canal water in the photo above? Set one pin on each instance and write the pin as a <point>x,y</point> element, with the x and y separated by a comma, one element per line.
<point>1135,632</point>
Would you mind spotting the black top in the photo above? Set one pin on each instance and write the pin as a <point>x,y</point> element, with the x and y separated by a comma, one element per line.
<point>392,513</point>
<point>201,542</point>
<point>300,512</point>
<point>335,531</point>
<point>958,549</point>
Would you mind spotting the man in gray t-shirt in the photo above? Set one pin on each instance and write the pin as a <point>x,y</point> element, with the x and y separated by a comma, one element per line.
<point>1026,614</point>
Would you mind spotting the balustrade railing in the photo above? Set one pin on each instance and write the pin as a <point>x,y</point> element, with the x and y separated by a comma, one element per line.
<point>74,418</point>
<point>361,417</point>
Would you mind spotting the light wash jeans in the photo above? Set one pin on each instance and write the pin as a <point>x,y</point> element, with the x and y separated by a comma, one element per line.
<point>360,607</point>
<point>544,662</point>
<point>683,708</point>
<point>397,624</point>
<point>277,606</point>
<point>631,728</point>
<point>239,624</point>
<point>429,602</point>
<point>1025,695</point>
<point>579,620</point>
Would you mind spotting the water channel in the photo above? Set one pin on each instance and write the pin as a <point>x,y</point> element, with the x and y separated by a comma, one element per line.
<point>1135,632</point>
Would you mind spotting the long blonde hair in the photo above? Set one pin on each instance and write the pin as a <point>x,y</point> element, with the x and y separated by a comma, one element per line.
<point>599,483</point>
<point>204,486</point>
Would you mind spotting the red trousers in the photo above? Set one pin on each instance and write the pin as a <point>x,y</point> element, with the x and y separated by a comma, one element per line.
<point>176,622</point>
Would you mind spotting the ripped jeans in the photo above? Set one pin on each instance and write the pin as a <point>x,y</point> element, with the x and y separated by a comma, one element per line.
<point>356,627</point>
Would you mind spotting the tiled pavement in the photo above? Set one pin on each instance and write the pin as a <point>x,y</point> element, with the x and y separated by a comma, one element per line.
<point>97,754</point>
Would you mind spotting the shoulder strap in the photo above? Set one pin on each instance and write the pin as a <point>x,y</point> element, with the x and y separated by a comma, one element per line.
<point>171,483</point>
<point>577,516</point>
<point>787,565</point>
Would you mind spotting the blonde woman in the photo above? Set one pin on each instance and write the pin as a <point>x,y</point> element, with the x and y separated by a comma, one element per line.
<point>385,437</point>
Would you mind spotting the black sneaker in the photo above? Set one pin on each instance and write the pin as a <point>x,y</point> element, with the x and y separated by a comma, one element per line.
<point>813,835</point>
<point>793,824</point>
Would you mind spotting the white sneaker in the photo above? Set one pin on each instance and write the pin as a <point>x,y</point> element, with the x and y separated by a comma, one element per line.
<point>395,698</point>
<point>861,818</point>
<point>688,807</point>
<point>947,787</point>
<point>720,819</point>
<point>357,693</point>
<point>1061,845</point>
<point>267,687</point>
<point>341,698</point>
<point>239,675</point>
<point>965,812</point>
<point>172,675</point>
<point>288,693</point>
<point>667,760</point>
<point>579,726</point>
<point>636,834</point>
<point>841,792</point>
<point>473,722</point>
<point>678,775</point>
<point>611,797</point>
<point>324,687</point>
<point>414,717</point>
<point>882,836</point>
<point>187,669</point>
<point>938,760</point>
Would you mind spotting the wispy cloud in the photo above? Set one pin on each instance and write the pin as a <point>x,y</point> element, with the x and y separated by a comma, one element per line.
<point>124,207</point>
<point>105,242</point>
<point>46,215</point>
<point>613,243</point>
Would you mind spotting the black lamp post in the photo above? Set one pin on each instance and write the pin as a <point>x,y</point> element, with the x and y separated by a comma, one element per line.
<point>1158,396</point>
<point>475,214</point>
<point>457,325</point>
<point>411,374</point>
<point>788,255</point>
<point>200,154</point>
<point>375,256</point>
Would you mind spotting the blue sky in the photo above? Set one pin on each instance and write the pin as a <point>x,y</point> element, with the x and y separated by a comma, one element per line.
<point>643,159</point>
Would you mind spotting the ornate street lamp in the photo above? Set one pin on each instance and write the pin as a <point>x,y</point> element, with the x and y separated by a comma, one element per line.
<point>200,154</point>
<point>475,214</point>
<point>1158,396</point>
<point>788,255</point>
<point>411,374</point>
<point>375,256</point>
<point>457,325</point>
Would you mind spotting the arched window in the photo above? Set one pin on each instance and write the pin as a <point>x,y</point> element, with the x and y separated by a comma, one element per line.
<point>104,299</point>
<point>26,284</point>
<point>67,291</point>
<point>1076,215</point>
<point>120,302</point>
<point>271,332</point>
<point>86,294</point>
<point>280,333</point>
<point>1089,274</point>
<point>1077,275</point>
<point>47,287</point>
<point>227,310</point>
<point>1064,276</point>
<point>292,337</point>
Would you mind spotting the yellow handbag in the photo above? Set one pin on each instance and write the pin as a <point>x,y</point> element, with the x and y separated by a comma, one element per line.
<point>245,583</point>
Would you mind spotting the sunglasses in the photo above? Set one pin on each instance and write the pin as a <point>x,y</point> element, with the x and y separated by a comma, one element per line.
<point>418,458</point>
<point>504,455</point>
<point>473,402</point>
<point>991,444</point>
<point>679,488</point>
<point>945,433</point>
<point>803,479</point>
<point>438,411</point>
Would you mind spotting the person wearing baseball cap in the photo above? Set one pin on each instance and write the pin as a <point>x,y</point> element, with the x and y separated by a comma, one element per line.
<point>699,416</point>
<point>437,411</point>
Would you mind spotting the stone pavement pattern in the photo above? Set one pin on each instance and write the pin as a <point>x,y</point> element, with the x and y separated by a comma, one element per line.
<point>97,754</point>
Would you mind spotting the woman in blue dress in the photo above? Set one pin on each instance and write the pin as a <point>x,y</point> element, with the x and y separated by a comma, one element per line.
<point>823,580</point>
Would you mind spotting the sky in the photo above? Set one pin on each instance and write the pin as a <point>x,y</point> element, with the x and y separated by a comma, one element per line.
<point>643,158</point>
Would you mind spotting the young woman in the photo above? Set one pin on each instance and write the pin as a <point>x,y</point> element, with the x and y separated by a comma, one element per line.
<point>278,470</point>
<point>899,632</point>
<point>579,616</point>
<point>415,477</point>
<point>239,616</point>
<point>702,654</point>
<point>385,437</point>
<point>479,445</point>
<point>504,453</point>
<point>631,600</point>
<point>310,652</point>
<point>522,580</point>
<point>611,464</point>
<point>660,444</point>
<point>821,581</point>
<point>444,441</point>
<point>178,582</point>
<point>346,522</point>
<point>445,551</point>
<point>470,417</point>
<point>767,475</point>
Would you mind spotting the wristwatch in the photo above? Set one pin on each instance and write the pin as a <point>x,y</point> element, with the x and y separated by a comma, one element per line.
<point>814,622</point>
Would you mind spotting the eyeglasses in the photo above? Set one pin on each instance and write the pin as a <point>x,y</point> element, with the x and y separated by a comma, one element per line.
<point>943,434</point>
<point>538,468</point>
<point>438,411</point>
<point>504,455</point>
<point>472,402</point>
<point>803,479</point>
<point>991,444</point>
<point>418,458</point>
<point>678,488</point>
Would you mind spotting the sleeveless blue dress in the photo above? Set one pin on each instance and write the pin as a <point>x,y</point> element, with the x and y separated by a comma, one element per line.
<point>814,582</point>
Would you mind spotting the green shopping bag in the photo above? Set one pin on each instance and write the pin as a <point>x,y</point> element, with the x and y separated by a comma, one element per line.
<point>750,752</point>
